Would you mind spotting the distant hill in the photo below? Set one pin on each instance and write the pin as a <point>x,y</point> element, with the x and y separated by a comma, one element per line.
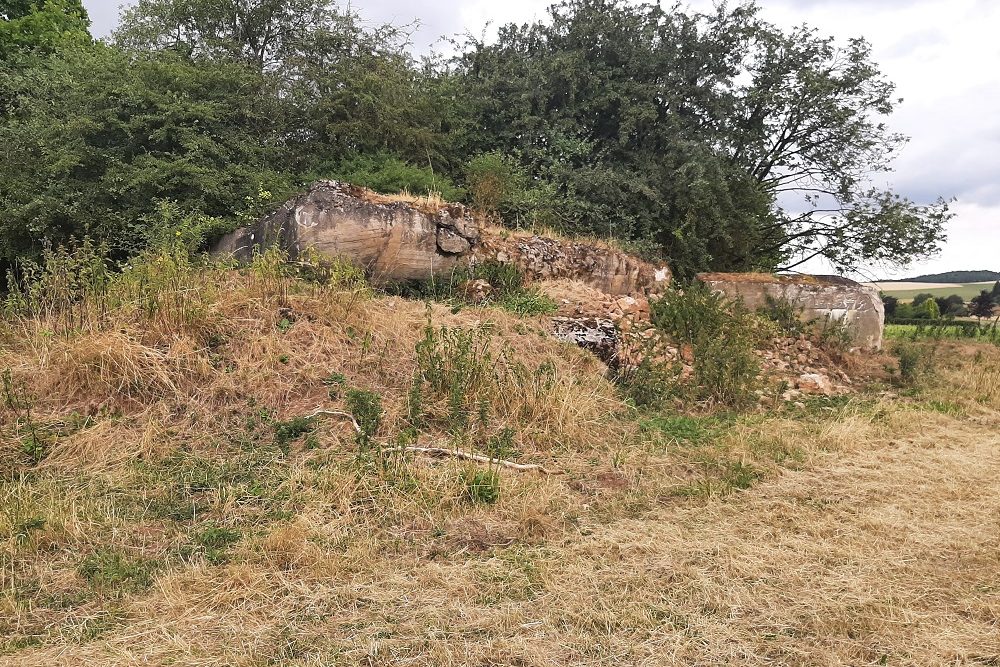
<point>955,277</point>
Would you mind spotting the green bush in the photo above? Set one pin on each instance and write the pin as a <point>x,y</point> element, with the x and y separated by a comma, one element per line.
<point>783,313</point>
<point>916,362</point>
<point>386,173</point>
<point>721,335</point>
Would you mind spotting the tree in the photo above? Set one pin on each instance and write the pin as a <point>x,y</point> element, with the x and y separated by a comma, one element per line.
<point>41,26</point>
<point>951,306</point>
<point>921,298</point>
<point>351,91</point>
<point>982,305</point>
<point>928,309</point>
<point>696,130</point>
<point>809,128</point>
<point>995,293</point>
<point>890,303</point>
<point>92,155</point>
<point>616,106</point>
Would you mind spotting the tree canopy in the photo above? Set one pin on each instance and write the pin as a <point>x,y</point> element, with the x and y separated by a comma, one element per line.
<point>715,141</point>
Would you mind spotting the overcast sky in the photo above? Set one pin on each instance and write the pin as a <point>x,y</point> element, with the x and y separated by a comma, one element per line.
<point>942,54</point>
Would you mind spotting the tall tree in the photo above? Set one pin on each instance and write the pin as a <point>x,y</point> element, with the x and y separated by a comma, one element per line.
<point>91,155</point>
<point>982,306</point>
<point>809,126</point>
<point>728,141</point>
<point>41,26</point>
<point>617,106</point>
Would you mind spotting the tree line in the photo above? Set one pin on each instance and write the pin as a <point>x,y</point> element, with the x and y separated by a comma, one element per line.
<point>715,141</point>
<point>926,306</point>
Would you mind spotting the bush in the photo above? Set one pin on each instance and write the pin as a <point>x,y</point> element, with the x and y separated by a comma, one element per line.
<point>720,334</point>
<point>916,362</point>
<point>783,313</point>
<point>387,173</point>
<point>506,280</point>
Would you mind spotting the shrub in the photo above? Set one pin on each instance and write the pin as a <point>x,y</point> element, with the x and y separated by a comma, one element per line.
<point>784,314</point>
<point>721,335</point>
<point>493,179</point>
<point>387,173</point>
<point>506,280</point>
<point>916,362</point>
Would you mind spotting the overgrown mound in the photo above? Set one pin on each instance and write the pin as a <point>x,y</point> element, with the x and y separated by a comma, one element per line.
<point>189,451</point>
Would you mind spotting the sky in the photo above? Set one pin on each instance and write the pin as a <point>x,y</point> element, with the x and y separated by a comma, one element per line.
<point>942,55</point>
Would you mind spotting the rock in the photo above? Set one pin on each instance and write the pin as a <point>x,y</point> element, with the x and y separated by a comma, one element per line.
<point>451,242</point>
<point>394,238</point>
<point>591,333</point>
<point>608,269</point>
<point>389,238</point>
<point>814,383</point>
<point>476,291</point>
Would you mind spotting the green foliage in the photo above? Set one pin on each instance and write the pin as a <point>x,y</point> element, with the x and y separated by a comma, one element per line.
<point>457,364</point>
<point>34,440</point>
<point>785,314</point>
<point>98,155</point>
<point>982,305</point>
<point>481,486</point>
<point>212,540</point>
<point>916,362</point>
<point>116,572</point>
<point>386,173</point>
<point>721,336</point>
<point>506,281</point>
<point>672,130</point>
<point>890,303</point>
<point>41,26</point>
<point>285,432</point>
<point>366,407</point>
<point>957,277</point>
<point>646,384</point>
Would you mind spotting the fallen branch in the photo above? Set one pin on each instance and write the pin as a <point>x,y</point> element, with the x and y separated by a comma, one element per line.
<point>441,452</point>
<point>335,413</point>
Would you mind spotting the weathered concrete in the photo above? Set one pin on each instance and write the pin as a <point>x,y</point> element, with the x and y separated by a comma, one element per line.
<point>821,300</point>
<point>392,240</point>
<point>598,265</point>
<point>396,240</point>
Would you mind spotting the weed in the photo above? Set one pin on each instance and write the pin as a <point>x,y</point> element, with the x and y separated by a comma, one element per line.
<point>680,429</point>
<point>366,407</point>
<point>336,383</point>
<point>785,314</point>
<point>286,432</point>
<point>722,336</point>
<point>915,362</point>
<point>34,444</point>
<point>481,486</point>
<point>212,540</point>
<point>113,571</point>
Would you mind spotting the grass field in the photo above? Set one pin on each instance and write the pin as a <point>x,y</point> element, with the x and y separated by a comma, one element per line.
<point>166,499</point>
<point>906,292</point>
<point>988,334</point>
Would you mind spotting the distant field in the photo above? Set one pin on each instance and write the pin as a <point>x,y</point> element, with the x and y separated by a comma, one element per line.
<point>905,291</point>
<point>941,331</point>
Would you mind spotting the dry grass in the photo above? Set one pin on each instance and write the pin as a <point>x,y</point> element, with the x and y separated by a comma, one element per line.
<point>166,522</point>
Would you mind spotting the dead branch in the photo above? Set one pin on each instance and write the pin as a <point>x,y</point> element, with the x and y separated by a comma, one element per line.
<point>442,452</point>
<point>320,412</point>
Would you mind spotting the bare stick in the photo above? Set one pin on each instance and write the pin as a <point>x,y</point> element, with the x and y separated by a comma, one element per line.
<point>440,452</point>
<point>320,412</point>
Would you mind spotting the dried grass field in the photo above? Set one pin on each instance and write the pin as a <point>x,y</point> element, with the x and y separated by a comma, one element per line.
<point>166,500</point>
